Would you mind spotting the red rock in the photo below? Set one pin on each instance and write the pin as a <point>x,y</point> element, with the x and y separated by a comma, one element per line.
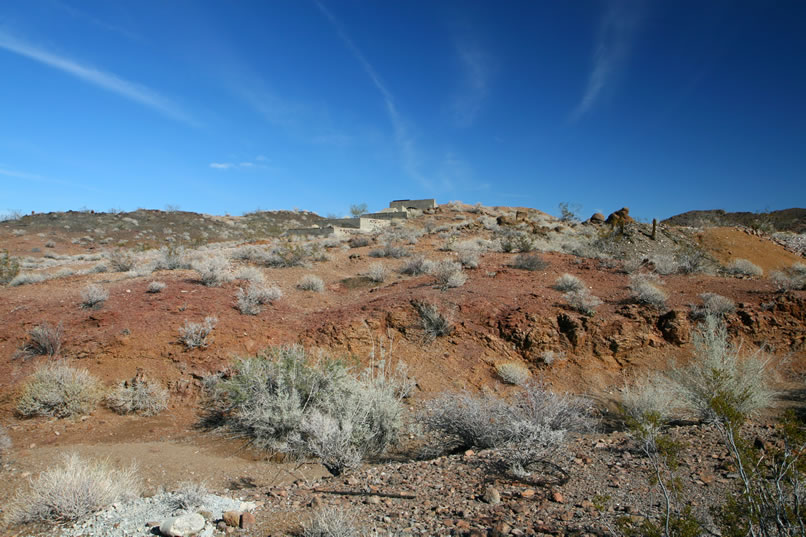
<point>557,496</point>
<point>247,520</point>
<point>232,518</point>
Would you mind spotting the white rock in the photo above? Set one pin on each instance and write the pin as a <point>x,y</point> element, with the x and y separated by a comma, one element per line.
<point>247,506</point>
<point>182,526</point>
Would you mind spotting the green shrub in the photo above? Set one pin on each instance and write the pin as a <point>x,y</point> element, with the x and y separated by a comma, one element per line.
<point>9,267</point>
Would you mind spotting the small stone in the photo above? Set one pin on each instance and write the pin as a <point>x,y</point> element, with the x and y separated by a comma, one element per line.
<point>208,516</point>
<point>152,524</point>
<point>316,502</point>
<point>491,495</point>
<point>528,493</point>
<point>373,500</point>
<point>232,518</point>
<point>247,520</point>
<point>182,526</point>
<point>557,497</point>
<point>221,526</point>
<point>500,529</point>
<point>463,524</point>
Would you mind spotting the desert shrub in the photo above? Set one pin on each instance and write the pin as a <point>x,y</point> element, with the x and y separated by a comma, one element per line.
<point>416,266</point>
<point>448,274</point>
<point>60,391</point>
<point>93,296</point>
<point>377,272</point>
<point>743,267</point>
<point>549,357</point>
<point>121,260</point>
<point>251,299</point>
<point>289,401</point>
<point>332,522</point>
<point>188,495</point>
<point>582,301</point>
<point>433,322</point>
<point>250,274</point>
<point>43,340</point>
<point>532,427</point>
<point>213,271</point>
<point>155,287</point>
<point>469,257</point>
<point>5,442</point>
<point>512,240</point>
<point>194,335</point>
<point>26,278</point>
<point>311,282</point>
<point>529,262</point>
<point>358,242</point>
<point>665,264</point>
<point>99,268</point>
<point>719,377</point>
<point>790,279</point>
<point>9,268</point>
<point>390,250</point>
<point>288,255</point>
<point>172,258</point>
<point>568,282</point>
<point>513,373</point>
<point>714,304</point>
<point>73,490</point>
<point>643,290</point>
<point>138,396</point>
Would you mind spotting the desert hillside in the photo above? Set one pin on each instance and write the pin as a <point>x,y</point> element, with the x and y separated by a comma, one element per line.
<point>476,301</point>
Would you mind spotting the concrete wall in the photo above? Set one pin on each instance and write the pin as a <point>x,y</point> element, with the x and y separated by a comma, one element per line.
<point>394,215</point>
<point>353,223</point>
<point>413,204</point>
<point>373,224</point>
<point>314,231</point>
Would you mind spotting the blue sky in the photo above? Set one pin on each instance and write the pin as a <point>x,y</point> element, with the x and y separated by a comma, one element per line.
<point>226,107</point>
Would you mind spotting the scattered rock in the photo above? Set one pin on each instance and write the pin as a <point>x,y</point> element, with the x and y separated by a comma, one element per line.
<point>597,218</point>
<point>182,526</point>
<point>247,520</point>
<point>232,518</point>
<point>491,496</point>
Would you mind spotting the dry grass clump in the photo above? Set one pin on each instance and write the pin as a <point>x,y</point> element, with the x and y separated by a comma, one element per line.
<point>549,357</point>
<point>73,490</point>
<point>449,274</point>
<point>469,258</point>
<point>5,442</point>
<point>582,301</point>
<point>644,290</point>
<point>568,282</point>
<point>9,268</point>
<point>790,279</point>
<point>743,267</point>
<point>43,340</point>
<point>434,323</point>
<point>311,282</point>
<point>416,266</point>
<point>213,271</point>
<point>60,391</point>
<point>332,522</point>
<point>390,250</point>
<point>358,242</point>
<point>155,287</point>
<point>195,334</point>
<point>513,373</point>
<point>714,304</point>
<point>377,272</point>
<point>171,258</point>
<point>250,300</point>
<point>188,495</point>
<point>529,262</point>
<point>93,296</point>
<point>138,396</point>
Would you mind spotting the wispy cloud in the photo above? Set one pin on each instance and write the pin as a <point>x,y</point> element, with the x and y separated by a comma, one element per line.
<point>234,165</point>
<point>36,178</point>
<point>403,138</point>
<point>108,81</point>
<point>616,35</point>
<point>19,175</point>
<point>221,165</point>
<point>477,67</point>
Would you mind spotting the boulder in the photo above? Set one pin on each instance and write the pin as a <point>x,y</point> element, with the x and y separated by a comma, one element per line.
<point>597,218</point>
<point>674,327</point>
<point>622,216</point>
<point>182,526</point>
<point>232,518</point>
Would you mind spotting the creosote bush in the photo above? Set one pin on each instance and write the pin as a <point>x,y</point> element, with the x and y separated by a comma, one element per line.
<point>43,340</point>
<point>288,400</point>
<point>73,490</point>
<point>332,522</point>
<point>377,272</point>
<point>213,271</point>
<point>121,260</point>
<point>416,266</point>
<point>433,322</point>
<point>60,391</point>
<point>358,242</point>
<point>195,334</point>
<point>9,268</point>
<point>743,267</point>
<point>513,373</point>
<point>568,282</point>
<point>529,262</point>
<point>93,296</point>
<point>713,304</point>
<point>172,258</point>
<point>390,250</point>
<point>138,396</point>
<point>311,282</point>
<point>644,290</point>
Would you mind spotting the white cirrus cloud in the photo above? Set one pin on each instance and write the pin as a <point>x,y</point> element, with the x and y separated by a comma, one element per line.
<point>221,165</point>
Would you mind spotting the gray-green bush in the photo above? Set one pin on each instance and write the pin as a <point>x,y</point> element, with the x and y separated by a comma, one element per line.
<point>287,400</point>
<point>60,391</point>
<point>138,396</point>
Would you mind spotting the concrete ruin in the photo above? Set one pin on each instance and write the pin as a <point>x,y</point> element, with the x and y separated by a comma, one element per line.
<point>413,204</point>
